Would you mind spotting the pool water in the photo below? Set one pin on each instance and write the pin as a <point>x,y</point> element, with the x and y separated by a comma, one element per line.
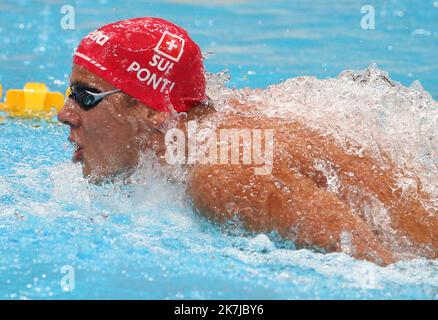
<point>144,240</point>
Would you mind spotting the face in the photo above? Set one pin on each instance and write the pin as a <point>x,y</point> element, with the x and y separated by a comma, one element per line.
<point>108,137</point>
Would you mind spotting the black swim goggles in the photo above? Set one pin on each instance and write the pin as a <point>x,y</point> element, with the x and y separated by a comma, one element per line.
<point>87,98</point>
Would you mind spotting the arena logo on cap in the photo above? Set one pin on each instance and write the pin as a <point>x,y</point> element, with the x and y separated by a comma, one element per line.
<point>170,46</point>
<point>98,36</point>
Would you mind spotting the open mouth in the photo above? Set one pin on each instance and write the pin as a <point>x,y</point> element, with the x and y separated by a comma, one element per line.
<point>77,153</point>
<point>78,149</point>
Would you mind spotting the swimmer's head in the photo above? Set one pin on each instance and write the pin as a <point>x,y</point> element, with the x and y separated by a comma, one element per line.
<point>127,78</point>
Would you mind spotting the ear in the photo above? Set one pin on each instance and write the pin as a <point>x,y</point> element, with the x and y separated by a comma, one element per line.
<point>158,120</point>
<point>153,119</point>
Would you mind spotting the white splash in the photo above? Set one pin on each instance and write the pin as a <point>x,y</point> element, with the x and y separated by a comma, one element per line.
<point>365,106</point>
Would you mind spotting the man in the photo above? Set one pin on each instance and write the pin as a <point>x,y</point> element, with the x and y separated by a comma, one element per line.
<point>135,80</point>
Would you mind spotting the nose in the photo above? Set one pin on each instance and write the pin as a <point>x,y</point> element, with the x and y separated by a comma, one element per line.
<point>68,115</point>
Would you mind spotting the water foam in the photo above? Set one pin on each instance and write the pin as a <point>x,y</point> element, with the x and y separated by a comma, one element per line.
<point>362,110</point>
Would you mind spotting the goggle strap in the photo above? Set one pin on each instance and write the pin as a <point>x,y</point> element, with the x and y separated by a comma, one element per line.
<point>100,96</point>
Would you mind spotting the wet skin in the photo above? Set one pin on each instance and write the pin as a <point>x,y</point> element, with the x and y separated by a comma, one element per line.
<point>294,200</point>
<point>107,138</point>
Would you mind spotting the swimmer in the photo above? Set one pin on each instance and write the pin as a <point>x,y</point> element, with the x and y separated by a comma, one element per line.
<point>132,81</point>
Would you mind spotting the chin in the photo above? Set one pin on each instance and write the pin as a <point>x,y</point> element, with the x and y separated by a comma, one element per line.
<point>92,174</point>
<point>101,175</point>
<point>95,178</point>
<point>86,170</point>
<point>92,171</point>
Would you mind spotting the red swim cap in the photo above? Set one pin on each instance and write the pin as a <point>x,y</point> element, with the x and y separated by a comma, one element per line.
<point>150,59</point>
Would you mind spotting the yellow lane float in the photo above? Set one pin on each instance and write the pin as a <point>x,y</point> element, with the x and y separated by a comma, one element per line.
<point>34,100</point>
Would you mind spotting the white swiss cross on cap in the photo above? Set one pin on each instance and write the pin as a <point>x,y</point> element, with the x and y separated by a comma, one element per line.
<point>171,46</point>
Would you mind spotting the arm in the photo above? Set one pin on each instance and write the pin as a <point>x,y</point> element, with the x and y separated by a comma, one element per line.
<point>304,213</point>
<point>364,180</point>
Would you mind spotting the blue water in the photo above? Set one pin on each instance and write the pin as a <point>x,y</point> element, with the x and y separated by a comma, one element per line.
<point>259,42</point>
<point>144,241</point>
